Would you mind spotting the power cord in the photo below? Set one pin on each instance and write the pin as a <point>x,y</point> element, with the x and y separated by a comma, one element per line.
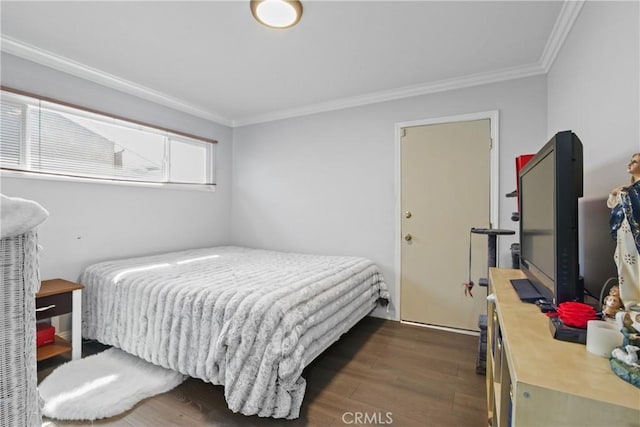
<point>588,293</point>
<point>610,283</point>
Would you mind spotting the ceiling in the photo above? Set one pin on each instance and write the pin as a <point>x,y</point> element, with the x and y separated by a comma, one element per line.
<point>213,60</point>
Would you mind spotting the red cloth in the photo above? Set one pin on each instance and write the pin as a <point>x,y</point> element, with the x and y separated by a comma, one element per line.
<point>576,314</point>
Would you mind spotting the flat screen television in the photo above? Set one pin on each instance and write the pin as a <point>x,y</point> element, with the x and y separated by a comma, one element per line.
<point>550,185</point>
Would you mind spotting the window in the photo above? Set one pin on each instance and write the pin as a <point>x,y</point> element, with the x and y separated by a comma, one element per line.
<point>46,137</point>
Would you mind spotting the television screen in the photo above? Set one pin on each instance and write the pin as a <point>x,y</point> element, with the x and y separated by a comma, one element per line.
<point>537,224</point>
<point>549,188</point>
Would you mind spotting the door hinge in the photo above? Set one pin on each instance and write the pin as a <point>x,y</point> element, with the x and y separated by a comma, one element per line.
<point>403,132</point>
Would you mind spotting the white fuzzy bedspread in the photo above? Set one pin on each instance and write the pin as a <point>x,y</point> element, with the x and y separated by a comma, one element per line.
<point>248,319</point>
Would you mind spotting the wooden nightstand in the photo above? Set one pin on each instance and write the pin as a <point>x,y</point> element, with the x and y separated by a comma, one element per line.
<point>57,297</point>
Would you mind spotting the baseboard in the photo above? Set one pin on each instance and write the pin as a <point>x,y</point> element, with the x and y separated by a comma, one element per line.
<point>382,313</point>
<point>64,335</point>
<point>442,328</point>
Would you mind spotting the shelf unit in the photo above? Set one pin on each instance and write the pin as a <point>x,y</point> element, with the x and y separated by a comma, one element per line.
<point>60,346</point>
<point>535,380</point>
<point>57,297</point>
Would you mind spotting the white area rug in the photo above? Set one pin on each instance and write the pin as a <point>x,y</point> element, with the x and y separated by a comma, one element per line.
<point>103,385</point>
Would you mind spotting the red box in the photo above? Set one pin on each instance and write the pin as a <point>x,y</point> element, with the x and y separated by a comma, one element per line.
<point>520,162</point>
<point>45,334</point>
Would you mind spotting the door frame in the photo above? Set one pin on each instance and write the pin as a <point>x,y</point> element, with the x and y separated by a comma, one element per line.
<point>494,203</point>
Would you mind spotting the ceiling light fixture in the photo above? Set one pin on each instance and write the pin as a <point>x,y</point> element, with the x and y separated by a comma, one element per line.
<point>277,13</point>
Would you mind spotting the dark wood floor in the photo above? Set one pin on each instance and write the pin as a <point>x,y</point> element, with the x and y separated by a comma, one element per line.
<point>419,376</point>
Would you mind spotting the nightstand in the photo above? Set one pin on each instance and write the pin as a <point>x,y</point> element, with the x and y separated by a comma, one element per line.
<point>57,297</point>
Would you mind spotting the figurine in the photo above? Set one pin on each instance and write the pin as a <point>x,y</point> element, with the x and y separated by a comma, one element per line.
<point>612,305</point>
<point>624,222</point>
<point>625,323</point>
<point>628,355</point>
<point>624,360</point>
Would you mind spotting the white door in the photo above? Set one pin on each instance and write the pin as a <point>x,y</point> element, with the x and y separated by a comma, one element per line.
<point>445,182</point>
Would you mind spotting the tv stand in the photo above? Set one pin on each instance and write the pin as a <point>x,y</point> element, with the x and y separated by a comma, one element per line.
<point>533,379</point>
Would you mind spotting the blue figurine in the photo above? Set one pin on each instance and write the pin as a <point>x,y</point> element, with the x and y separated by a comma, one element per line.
<point>631,335</point>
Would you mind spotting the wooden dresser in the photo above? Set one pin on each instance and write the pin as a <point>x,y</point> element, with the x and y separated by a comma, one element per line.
<point>535,380</point>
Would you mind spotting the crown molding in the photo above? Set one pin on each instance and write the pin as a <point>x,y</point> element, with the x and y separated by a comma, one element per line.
<point>405,92</point>
<point>60,63</point>
<point>566,18</point>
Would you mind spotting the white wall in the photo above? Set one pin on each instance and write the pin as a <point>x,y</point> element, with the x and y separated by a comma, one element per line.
<point>96,222</point>
<point>593,89</point>
<point>326,183</point>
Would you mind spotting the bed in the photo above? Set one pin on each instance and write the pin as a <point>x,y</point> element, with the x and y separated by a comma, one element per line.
<point>247,319</point>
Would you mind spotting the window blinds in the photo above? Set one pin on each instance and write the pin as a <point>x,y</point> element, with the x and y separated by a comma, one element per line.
<point>45,137</point>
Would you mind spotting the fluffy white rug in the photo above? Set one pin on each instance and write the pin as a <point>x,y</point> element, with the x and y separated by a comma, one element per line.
<point>103,385</point>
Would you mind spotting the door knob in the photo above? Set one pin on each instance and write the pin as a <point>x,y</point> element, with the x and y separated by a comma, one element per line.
<point>407,214</point>
<point>408,237</point>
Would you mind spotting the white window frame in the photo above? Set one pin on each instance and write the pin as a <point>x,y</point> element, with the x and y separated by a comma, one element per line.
<point>23,169</point>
